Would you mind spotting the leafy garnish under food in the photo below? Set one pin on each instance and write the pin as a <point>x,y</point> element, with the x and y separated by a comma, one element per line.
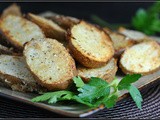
<point>96,92</point>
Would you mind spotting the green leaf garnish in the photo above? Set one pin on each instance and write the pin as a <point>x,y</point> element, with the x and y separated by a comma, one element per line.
<point>78,82</point>
<point>95,89</point>
<point>53,97</point>
<point>147,21</point>
<point>127,80</point>
<point>125,83</point>
<point>99,21</point>
<point>111,101</point>
<point>136,95</point>
<point>96,92</point>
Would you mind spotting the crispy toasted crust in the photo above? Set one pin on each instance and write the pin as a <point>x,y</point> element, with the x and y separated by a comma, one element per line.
<point>155,38</point>
<point>14,74</point>
<point>5,50</point>
<point>120,42</point>
<point>106,72</point>
<point>143,58</point>
<point>89,45</point>
<point>134,35</point>
<point>50,63</point>
<point>13,9</point>
<point>51,29</point>
<point>107,30</point>
<point>9,51</point>
<point>63,21</point>
<point>18,30</point>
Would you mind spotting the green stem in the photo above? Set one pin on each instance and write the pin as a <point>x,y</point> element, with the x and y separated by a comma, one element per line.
<point>103,23</point>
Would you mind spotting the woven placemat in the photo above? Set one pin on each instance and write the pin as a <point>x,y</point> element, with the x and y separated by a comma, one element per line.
<point>124,109</point>
<point>127,109</point>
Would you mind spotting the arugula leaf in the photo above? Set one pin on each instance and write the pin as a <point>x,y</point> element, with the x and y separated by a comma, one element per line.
<point>136,95</point>
<point>95,89</point>
<point>78,82</point>
<point>53,97</point>
<point>127,80</point>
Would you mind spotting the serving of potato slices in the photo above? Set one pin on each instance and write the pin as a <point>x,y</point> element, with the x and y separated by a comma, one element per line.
<point>106,72</point>
<point>14,74</point>
<point>134,35</point>
<point>50,29</point>
<point>18,30</point>
<point>89,45</point>
<point>45,51</point>
<point>120,42</point>
<point>14,9</point>
<point>50,63</point>
<point>63,21</point>
<point>143,58</point>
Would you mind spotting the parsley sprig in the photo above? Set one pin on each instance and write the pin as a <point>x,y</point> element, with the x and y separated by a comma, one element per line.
<point>96,92</point>
<point>147,20</point>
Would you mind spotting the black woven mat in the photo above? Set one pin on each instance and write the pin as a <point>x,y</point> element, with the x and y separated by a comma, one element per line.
<point>124,109</point>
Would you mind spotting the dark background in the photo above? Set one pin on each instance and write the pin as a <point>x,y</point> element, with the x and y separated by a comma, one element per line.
<point>113,12</point>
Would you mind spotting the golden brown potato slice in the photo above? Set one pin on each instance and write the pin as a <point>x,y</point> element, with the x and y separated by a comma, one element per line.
<point>13,9</point>
<point>50,63</point>
<point>89,45</point>
<point>120,42</point>
<point>134,35</point>
<point>5,50</point>
<point>106,72</point>
<point>64,21</point>
<point>18,30</point>
<point>107,30</point>
<point>143,58</point>
<point>155,38</point>
<point>51,29</point>
<point>14,74</point>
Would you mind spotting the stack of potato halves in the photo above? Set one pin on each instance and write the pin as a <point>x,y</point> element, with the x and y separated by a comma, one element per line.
<point>44,52</point>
